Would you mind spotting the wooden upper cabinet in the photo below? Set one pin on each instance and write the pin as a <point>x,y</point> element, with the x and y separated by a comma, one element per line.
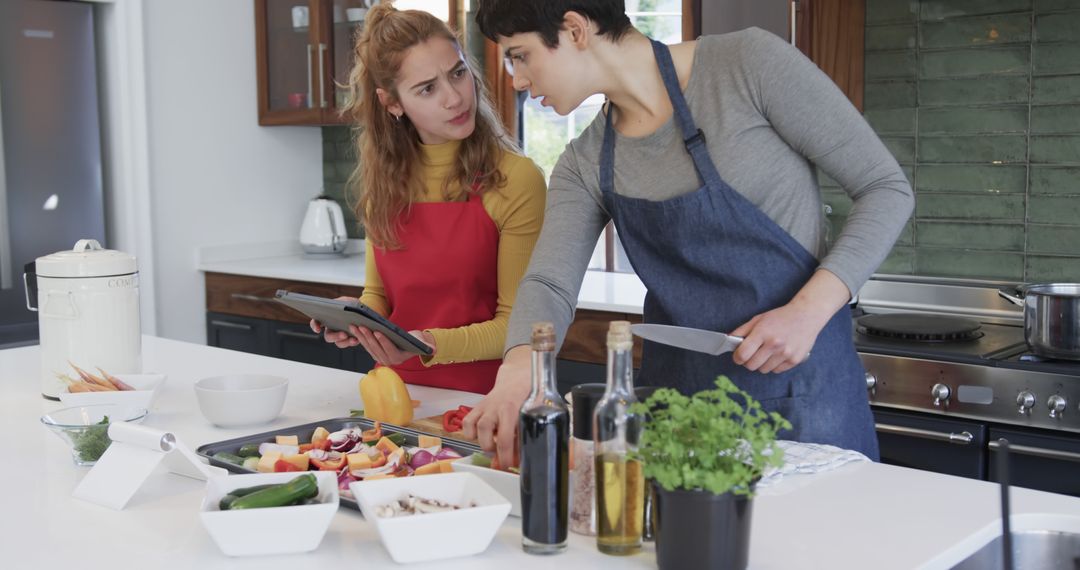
<point>304,51</point>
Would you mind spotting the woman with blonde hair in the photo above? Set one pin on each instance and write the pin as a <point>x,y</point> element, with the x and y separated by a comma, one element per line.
<point>451,210</point>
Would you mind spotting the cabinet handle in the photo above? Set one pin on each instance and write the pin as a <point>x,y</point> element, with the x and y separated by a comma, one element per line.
<point>252,298</point>
<point>310,88</point>
<point>298,334</point>
<point>322,77</point>
<point>794,12</point>
<point>962,438</point>
<point>228,325</point>
<point>1037,451</point>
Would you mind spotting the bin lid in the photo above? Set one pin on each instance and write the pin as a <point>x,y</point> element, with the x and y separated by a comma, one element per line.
<point>86,259</point>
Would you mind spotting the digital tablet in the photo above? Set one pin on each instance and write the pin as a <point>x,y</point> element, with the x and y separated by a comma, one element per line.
<point>338,315</point>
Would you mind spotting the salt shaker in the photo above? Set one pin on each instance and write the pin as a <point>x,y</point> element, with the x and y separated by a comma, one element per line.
<point>582,479</point>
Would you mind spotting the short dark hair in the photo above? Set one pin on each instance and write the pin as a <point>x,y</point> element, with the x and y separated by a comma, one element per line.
<point>545,17</point>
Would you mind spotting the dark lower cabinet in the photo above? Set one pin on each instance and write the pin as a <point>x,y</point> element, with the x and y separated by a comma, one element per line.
<point>1038,460</point>
<point>954,447</point>
<point>236,333</point>
<point>290,341</point>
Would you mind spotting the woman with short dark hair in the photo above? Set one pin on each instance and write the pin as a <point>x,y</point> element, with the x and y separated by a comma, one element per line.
<point>704,157</point>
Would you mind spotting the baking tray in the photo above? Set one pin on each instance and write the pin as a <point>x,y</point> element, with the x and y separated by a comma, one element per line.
<point>305,431</point>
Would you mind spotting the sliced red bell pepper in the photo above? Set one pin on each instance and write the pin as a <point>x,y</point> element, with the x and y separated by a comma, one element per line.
<point>281,466</point>
<point>452,420</point>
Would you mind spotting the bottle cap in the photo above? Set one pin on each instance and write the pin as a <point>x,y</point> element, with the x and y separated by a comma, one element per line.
<point>543,336</point>
<point>619,337</point>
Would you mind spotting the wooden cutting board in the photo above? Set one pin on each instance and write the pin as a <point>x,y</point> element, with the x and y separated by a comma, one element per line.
<point>433,426</point>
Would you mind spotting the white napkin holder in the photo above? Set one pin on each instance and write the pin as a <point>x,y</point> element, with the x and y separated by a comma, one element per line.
<point>136,451</point>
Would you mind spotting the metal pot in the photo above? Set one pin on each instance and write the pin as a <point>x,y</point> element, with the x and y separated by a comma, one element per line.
<point>1051,318</point>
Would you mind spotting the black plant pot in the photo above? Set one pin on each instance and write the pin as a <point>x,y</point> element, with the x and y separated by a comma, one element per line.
<point>698,529</point>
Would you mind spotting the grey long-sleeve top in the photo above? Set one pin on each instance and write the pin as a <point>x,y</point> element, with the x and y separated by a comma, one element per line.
<point>769,115</point>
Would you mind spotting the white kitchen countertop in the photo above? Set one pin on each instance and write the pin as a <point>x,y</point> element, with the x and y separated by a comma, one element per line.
<point>859,516</point>
<point>600,291</point>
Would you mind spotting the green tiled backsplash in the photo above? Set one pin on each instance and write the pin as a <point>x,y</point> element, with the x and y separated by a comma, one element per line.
<point>979,101</point>
<point>338,162</point>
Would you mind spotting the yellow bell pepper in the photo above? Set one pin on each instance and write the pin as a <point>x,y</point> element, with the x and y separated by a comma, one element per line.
<point>385,397</point>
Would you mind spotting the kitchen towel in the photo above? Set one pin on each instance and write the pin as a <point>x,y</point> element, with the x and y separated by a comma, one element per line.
<point>805,458</point>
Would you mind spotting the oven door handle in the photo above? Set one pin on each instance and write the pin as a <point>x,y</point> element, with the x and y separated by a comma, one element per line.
<point>962,438</point>
<point>1037,451</point>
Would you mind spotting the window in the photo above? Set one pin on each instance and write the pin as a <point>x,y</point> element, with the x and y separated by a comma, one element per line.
<point>544,134</point>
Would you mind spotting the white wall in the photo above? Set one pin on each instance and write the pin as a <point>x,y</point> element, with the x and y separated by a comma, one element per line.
<point>216,177</point>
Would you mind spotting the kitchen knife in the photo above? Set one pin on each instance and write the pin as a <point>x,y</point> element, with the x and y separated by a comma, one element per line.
<point>689,338</point>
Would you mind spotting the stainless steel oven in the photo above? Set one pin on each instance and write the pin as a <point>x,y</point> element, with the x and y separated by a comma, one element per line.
<point>949,375</point>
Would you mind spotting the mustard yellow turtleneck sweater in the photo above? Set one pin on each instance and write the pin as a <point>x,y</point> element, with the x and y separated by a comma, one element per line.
<point>518,213</point>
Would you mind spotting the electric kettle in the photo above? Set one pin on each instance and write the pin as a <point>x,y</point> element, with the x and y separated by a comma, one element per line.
<point>87,301</point>
<point>323,230</point>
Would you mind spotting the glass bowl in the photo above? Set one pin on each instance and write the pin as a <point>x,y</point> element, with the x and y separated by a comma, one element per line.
<point>85,428</point>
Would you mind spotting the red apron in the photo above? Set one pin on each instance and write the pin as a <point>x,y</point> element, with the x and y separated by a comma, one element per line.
<point>444,276</point>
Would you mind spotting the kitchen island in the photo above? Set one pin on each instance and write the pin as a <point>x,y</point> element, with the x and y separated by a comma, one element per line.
<point>858,516</point>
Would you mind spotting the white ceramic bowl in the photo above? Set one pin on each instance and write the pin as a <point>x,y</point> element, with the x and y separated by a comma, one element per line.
<point>143,396</point>
<point>274,530</point>
<point>241,399</point>
<point>433,536</point>
<point>507,484</point>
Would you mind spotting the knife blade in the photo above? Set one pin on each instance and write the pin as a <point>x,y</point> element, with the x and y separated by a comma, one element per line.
<point>697,340</point>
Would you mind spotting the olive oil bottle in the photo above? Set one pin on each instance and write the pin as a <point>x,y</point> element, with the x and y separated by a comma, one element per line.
<point>616,431</point>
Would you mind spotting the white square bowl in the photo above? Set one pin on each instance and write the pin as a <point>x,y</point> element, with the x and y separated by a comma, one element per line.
<point>433,536</point>
<point>507,484</point>
<point>273,530</point>
<point>143,396</point>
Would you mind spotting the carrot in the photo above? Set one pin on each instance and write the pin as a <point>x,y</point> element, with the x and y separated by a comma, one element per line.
<point>120,384</point>
<point>91,379</point>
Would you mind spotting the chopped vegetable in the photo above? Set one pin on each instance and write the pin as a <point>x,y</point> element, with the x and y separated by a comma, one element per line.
<point>373,434</point>
<point>447,453</point>
<point>452,419</point>
<point>91,442</point>
<point>421,458</point>
<point>429,441</point>
<point>333,462</point>
<point>229,458</point>
<point>249,450</point>
<point>265,448</point>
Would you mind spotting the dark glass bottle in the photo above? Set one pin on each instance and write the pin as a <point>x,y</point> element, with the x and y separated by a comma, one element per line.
<point>544,432</point>
<point>617,430</point>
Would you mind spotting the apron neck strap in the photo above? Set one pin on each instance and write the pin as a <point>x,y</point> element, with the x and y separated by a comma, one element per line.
<point>692,136</point>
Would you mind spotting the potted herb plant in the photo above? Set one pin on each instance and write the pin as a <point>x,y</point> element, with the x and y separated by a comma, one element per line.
<point>702,456</point>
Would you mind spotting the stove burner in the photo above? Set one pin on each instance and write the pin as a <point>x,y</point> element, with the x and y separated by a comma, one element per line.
<point>919,327</point>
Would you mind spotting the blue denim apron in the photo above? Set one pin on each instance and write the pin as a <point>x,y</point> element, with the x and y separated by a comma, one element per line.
<point>712,260</point>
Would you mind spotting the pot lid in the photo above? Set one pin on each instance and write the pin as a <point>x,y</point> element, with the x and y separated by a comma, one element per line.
<point>86,259</point>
